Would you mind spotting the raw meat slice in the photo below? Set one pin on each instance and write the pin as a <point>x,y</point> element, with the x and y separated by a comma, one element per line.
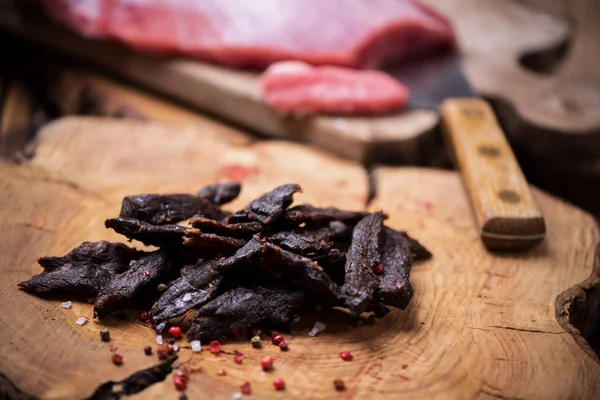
<point>256,33</point>
<point>294,86</point>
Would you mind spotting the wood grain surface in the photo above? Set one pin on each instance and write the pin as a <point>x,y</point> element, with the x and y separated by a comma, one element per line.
<point>479,326</point>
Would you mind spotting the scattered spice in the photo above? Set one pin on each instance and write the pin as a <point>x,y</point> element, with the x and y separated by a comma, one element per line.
<point>183,396</point>
<point>105,335</point>
<point>296,319</point>
<point>426,204</point>
<point>221,372</point>
<point>404,366</point>
<point>338,384</point>
<point>159,340</point>
<point>279,384</point>
<point>161,288</point>
<point>317,328</point>
<point>277,338</point>
<point>237,396</point>
<point>117,359</point>
<point>66,304</point>
<point>346,356</point>
<point>215,347</point>
<point>176,347</point>
<point>81,321</point>
<point>145,272</point>
<point>238,357</point>
<point>283,346</point>
<point>170,349</point>
<point>255,342</point>
<point>171,340</point>
<point>144,316</point>
<point>180,382</point>
<point>187,297</point>
<point>113,347</point>
<point>266,363</point>
<point>148,350</point>
<point>378,269</point>
<point>196,346</point>
<point>162,352</point>
<point>246,388</point>
<point>175,331</point>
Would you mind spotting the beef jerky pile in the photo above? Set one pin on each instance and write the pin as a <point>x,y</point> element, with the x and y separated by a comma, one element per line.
<point>254,268</point>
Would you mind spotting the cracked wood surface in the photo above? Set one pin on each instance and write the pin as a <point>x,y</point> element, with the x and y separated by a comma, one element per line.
<point>479,326</point>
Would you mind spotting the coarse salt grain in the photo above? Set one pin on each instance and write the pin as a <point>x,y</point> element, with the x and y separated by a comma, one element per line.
<point>66,304</point>
<point>317,328</point>
<point>159,340</point>
<point>263,373</point>
<point>187,297</point>
<point>237,396</point>
<point>81,321</point>
<point>196,346</point>
<point>176,347</point>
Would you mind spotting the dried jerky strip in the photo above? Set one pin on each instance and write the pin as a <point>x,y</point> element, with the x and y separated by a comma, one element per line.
<point>160,209</point>
<point>304,242</point>
<point>238,230</point>
<point>120,290</point>
<point>315,215</point>
<point>210,242</point>
<point>220,193</point>
<point>134,383</point>
<point>84,270</point>
<point>240,309</point>
<point>418,251</point>
<point>200,281</point>
<point>268,207</point>
<point>333,263</point>
<point>394,287</point>
<point>363,255</point>
<point>299,270</point>
<point>155,235</point>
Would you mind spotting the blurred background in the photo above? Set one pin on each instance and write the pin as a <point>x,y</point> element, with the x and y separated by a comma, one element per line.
<point>536,61</point>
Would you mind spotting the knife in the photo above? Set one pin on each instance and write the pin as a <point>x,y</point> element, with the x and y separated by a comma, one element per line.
<point>506,213</point>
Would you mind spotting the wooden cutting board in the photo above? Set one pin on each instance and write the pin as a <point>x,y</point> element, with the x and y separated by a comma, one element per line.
<point>479,326</point>
<point>493,36</point>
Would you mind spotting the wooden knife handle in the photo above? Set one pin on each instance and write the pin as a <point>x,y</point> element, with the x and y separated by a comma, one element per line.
<point>506,213</point>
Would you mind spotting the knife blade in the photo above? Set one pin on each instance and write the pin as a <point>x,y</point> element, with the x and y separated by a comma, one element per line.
<point>507,215</point>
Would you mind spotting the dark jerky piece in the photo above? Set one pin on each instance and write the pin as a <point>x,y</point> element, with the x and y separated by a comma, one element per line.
<point>417,249</point>
<point>134,383</point>
<point>159,209</point>
<point>220,193</point>
<point>155,235</point>
<point>210,242</point>
<point>268,207</point>
<point>121,289</point>
<point>173,303</point>
<point>394,286</point>
<point>363,255</point>
<point>240,309</point>
<point>315,215</point>
<point>304,242</point>
<point>84,270</point>
<point>200,281</point>
<point>238,230</point>
<point>333,263</point>
<point>299,270</point>
<point>210,210</point>
<point>340,230</point>
<point>378,309</point>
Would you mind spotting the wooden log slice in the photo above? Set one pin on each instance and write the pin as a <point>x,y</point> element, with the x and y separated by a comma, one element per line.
<point>480,325</point>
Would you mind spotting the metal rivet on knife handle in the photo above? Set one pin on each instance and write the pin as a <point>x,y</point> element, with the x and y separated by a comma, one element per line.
<point>506,213</point>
